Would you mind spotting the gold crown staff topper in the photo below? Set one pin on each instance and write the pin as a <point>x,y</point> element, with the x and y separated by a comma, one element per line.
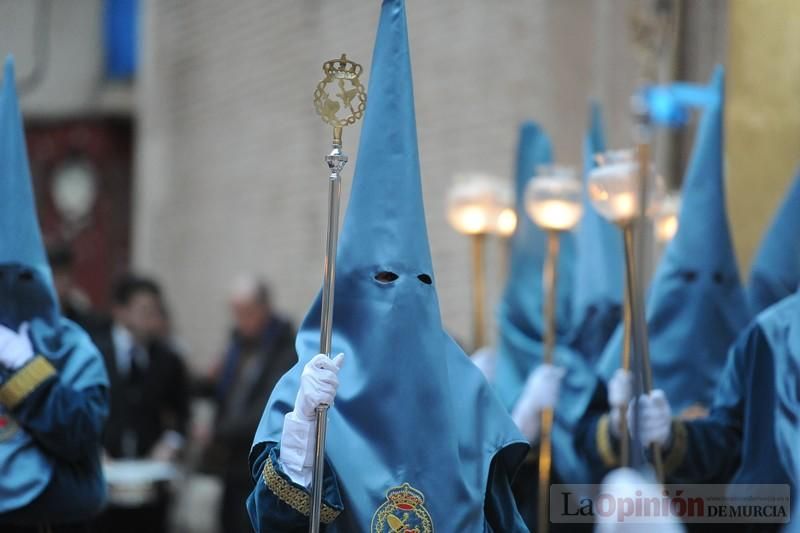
<point>339,98</point>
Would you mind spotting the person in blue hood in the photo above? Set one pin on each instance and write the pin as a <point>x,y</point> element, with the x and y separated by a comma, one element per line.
<point>53,384</point>
<point>525,385</point>
<point>599,265</point>
<point>751,434</point>
<point>417,439</point>
<point>696,305</point>
<point>775,273</point>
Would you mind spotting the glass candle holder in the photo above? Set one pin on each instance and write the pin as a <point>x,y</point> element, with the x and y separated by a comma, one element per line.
<point>481,204</point>
<point>665,215</point>
<point>553,198</point>
<point>613,186</point>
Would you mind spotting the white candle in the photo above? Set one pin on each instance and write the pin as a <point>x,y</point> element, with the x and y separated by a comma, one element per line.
<point>555,214</point>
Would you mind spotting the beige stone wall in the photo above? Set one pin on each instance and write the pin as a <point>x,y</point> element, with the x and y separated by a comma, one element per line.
<point>230,173</point>
<point>763,117</point>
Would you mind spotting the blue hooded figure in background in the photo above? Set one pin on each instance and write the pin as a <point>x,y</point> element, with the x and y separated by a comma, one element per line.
<point>416,437</point>
<point>53,384</point>
<point>520,317</point>
<point>696,305</point>
<point>599,267</point>
<point>776,268</point>
<point>521,330</point>
<point>752,433</point>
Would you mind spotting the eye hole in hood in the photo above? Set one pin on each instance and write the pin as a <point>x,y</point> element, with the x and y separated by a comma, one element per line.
<point>386,277</point>
<point>426,279</point>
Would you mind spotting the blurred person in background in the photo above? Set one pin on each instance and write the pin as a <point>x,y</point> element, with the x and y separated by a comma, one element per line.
<point>164,331</point>
<point>75,305</point>
<point>259,352</point>
<point>149,396</point>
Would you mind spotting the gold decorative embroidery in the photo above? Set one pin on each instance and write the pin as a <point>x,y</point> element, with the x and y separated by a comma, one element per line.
<point>25,381</point>
<point>604,445</point>
<point>403,511</point>
<point>296,498</point>
<point>680,444</point>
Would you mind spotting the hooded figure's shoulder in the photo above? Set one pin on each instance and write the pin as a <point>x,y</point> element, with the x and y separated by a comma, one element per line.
<point>70,349</point>
<point>780,318</point>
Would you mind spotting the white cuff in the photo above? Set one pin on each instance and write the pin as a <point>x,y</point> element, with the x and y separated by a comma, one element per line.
<point>19,359</point>
<point>173,439</point>
<point>297,449</point>
<point>527,421</point>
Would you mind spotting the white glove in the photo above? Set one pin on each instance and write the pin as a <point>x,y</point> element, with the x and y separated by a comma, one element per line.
<point>486,361</point>
<point>627,485</point>
<point>655,418</point>
<point>620,392</point>
<point>318,384</point>
<point>540,392</point>
<point>15,347</point>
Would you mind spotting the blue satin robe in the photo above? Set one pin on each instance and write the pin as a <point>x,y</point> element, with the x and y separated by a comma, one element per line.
<point>66,421</point>
<point>271,514</point>
<point>68,424</point>
<point>736,443</point>
<point>755,408</point>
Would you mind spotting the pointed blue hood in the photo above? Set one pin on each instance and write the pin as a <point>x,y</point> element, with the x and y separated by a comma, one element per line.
<point>27,295</point>
<point>521,322</point>
<point>696,306</point>
<point>776,269</point>
<point>520,312</point>
<point>26,288</point>
<point>411,407</point>
<point>597,300</point>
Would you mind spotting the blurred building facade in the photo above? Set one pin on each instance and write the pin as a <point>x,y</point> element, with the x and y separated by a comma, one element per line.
<point>230,175</point>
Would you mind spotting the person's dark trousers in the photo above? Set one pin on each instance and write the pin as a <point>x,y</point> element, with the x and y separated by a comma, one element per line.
<point>71,528</point>
<point>151,519</point>
<point>233,512</point>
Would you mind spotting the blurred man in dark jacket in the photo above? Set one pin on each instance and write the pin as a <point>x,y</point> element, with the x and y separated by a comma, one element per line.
<point>260,351</point>
<point>149,395</point>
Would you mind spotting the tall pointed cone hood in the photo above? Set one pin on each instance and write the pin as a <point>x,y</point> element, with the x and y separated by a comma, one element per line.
<point>21,248</point>
<point>27,295</point>
<point>697,306</point>
<point>706,241</point>
<point>600,261</point>
<point>385,220</point>
<point>776,269</point>
<point>403,375</point>
<point>520,312</point>
<point>520,315</point>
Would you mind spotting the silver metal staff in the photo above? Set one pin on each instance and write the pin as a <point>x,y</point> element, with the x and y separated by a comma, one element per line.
<point>340,100</point>
<point>618,188</point>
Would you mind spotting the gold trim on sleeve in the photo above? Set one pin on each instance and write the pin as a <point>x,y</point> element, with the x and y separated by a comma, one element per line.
<point>680,444</point>
<point>296,498</point>
<point>604,446</point>
<point>25,381</point>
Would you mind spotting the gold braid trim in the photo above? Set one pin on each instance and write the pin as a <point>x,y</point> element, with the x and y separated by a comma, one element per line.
<point>25,381</point>
<point>604,446</point>
<point>680,444</point>
<point>296,498</point>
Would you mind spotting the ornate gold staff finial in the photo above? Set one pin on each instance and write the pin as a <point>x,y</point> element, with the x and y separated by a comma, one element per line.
<point>340,98</point>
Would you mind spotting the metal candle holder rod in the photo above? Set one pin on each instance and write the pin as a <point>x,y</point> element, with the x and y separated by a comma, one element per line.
<point>550,281</point>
